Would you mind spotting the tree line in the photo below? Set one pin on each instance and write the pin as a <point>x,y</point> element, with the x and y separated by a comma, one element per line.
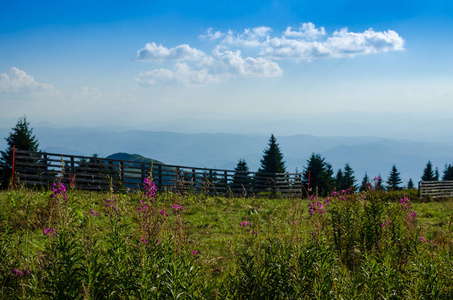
<point>317,175</point>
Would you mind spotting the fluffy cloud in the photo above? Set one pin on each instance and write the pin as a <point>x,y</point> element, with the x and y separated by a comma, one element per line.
<point>154,52</point>
<point>209,35</point>
<point>304,43</point>
<point>16,81</point>
<point>306,30</point>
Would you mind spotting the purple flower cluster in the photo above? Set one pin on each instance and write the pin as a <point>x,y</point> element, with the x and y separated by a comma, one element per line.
<point>94,213</point>
<point>59,190</point>
<point>334,194</point>
<point>144,241</point>
<point>143,208</point>
<point>388,223</point>
<point>313,197</point>
<point>163,213</point>
<point>149,188</point>
<point>316,207</point>
<point>177,208</point>
<point>407,206</point>
<point>48,231</point>
<point>18,274</point>
<point>245,223</point>
<point>110,208</point>
<point>424,240</point>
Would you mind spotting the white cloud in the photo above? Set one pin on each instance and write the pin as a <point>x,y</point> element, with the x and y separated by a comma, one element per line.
<point>341,44</point>
<point>209,35</point>
<point>305,43</point>
<point>181,73</point>
<point>306,30</point>
<point>16,81</point>
<point>233,64</point>
<point>254,37</point>
<point>154,52</point>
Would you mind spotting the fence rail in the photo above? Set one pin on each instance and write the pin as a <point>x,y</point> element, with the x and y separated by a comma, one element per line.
<point>435,189</point>
<point>95,173</point>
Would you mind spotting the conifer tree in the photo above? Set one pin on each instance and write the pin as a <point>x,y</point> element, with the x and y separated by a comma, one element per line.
<point>320,173</point>
<point>348,178</point>
<point>428,173</point>
<point>394,180</point>
<point>365,183</point>
<point>448,172</point>
<point>22,137</point>
<point>339,180</point>
<point>272,161</point>
<point>410,184</point>
<point>241,179</point>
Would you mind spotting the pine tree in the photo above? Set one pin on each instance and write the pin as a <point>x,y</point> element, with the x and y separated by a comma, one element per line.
<point>428,173</point>
<point>22,137</point>
<point>394,180</point>
<point>348,178</point>
<point>241,179</point>
<point>448,172</point>
<point>365,183</point>
<point>339,180</point>
<point>410,184</point>
<point>436,174</point>
<point>272,161</point>
<point>320,173</point>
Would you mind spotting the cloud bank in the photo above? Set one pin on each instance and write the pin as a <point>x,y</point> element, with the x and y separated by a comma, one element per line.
<point>18,81</point>
<point>305,42</point>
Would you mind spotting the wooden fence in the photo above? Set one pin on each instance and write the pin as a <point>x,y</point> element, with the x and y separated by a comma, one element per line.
<point>435,189</point>
<point>94,173</point>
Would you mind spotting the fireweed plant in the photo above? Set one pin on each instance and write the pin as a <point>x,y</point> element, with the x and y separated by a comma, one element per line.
<point>161,245</point>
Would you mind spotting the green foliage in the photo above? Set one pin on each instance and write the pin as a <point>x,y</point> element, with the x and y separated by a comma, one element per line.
<point>272,161</point>
<point>366,185</point>
<point>320,173</point>
<point>394,180</point>
<point>358,246</point>
<point>241,179</point>
<point>448,172</point>
<point>22,137</point>
<point>429,174</point>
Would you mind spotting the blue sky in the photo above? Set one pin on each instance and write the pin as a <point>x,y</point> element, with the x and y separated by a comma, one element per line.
<point>151,64</point>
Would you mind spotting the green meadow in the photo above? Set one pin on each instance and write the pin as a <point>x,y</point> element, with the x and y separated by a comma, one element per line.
<point>134,245</point>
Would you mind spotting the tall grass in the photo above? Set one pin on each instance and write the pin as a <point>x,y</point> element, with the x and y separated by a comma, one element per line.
<point>85,245</point>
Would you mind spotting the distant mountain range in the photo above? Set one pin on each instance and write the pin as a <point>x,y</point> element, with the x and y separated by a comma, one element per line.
<point>373,155</point>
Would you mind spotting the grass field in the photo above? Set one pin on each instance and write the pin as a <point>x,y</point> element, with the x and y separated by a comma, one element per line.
<point>88,245</point>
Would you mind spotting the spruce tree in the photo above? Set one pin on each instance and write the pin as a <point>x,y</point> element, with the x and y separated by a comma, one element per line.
<point>320,173</point>
<point>22,137</point>
<point>410,184</point>
<point>272,161</point>
<point>448,172</point>
<point>365,183</point>
<point>428,173</point>
<point>394,180</point>
<point>241,179</point>
<point>348,178</point>
<point>339,180</point>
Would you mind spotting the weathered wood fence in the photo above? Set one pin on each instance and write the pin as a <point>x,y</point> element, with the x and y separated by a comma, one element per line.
<point>94,173</point>
<point>435,189</point>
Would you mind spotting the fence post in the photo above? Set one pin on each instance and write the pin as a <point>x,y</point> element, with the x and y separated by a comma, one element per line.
<point>12,171</point>
<point>159,174</point>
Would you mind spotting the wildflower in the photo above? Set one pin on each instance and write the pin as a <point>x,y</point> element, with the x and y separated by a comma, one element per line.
<point>195,252</point>
<point>177,208</point>
<point>412,216</point>
<point>294,223</point>
<point>149,188</point>
<point>18,274</point>
<point>144,241</point>
<point>312,197</point>
<point>327,201</point>
<point>312,209</point>
<point>59,191</point>
<point>94,213</point>
<point>342,198</point>
<point>47,231</point>
<point>334,194</point>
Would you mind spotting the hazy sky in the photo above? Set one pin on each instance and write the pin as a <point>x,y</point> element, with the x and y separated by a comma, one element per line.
<point>146,64</point>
